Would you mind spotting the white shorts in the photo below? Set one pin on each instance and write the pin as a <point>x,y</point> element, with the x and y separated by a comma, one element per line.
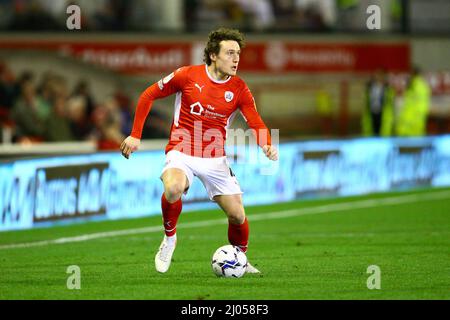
<point>214,173</point>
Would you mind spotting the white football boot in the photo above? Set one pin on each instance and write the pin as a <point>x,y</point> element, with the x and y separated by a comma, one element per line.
<point>164,256</point>
<point>251,269</point>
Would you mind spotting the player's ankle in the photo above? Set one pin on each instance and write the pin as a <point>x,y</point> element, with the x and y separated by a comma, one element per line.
<point>172,238</point>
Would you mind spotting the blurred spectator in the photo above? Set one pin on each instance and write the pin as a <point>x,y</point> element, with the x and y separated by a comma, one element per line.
<point>80,124</point>
<point>112,16</point>
<point>57,125</point>
<point>29,126</point>
<point>190,14</point>
<point>145,14</point>
<point>114,117</point>
<point>201,15</point>
<point>413,114</point>
<point>31,15</point>
<point>126,111</point>
<point>396,14</point>
<point>82,91</point>
<point>210,13</point>
<point>59,86</point>
<point>324,112</point>
<point>107,121</point>
<point>6,13</point>
<point>52,86</point>
<point>7,86</point>
<point>259,12</point>
<point>49,113</point>
<point>314,15</point>
<point>378,114</point>
<point>347,15</point>
<point>284,11</point>
<point>45,96</point>
<point>24,77</point>
<point>157,126</point>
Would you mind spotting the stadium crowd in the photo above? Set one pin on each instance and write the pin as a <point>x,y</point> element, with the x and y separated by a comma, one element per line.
<point>44,108</point>
<point>199,15</point>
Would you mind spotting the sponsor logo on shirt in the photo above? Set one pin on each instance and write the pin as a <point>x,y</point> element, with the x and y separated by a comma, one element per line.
<point>197,108</point>
<point>199,87</point>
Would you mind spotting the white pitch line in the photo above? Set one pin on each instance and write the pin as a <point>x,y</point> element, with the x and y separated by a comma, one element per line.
<point>330,208</point>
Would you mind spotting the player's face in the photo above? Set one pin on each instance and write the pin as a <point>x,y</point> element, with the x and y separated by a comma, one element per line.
<point>228,58</point>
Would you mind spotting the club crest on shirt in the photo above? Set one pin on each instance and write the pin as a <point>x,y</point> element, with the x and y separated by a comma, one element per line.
<point>229,96</point>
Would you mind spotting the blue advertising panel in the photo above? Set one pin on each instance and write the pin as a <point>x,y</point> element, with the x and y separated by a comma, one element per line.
<point>54,190</point>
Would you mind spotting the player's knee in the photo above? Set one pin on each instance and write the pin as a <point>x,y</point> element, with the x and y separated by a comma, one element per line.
<point>173,192</point>
<point>236,217</point>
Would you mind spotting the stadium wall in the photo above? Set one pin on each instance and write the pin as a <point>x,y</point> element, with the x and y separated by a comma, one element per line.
<point>56,190</point>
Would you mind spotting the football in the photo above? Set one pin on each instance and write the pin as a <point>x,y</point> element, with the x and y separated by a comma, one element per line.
<point>229,261</point>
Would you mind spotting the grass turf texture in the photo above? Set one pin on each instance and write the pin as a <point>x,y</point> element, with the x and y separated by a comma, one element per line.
<point>311,256</point>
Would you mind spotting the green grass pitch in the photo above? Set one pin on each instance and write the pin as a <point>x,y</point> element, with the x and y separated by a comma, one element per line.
<point>315,249</point>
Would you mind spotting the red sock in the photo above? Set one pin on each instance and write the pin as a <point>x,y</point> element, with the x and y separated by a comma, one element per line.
<point>170,213</point>
<point>238,234</point>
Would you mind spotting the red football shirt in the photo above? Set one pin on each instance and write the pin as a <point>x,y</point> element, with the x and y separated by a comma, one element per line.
<point>204,110</point>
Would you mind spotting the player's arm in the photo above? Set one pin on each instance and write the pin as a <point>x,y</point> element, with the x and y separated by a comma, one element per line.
<point>254,121</point>
<point>163,88</point>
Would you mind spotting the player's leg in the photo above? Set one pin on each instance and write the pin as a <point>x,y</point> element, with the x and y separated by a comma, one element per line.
<point>175,183</point>
<point>237,222</point>
<point>223,188</point>
<point>238,230</point>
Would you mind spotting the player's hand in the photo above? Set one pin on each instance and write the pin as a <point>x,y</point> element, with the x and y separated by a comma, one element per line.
<point>271,152</point>
<point>129,145</point>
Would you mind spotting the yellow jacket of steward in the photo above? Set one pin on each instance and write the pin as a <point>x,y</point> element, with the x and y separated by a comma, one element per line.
<point>412,118</point>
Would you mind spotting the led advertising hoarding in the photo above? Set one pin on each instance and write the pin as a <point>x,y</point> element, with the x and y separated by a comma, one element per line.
<point>55,190</point>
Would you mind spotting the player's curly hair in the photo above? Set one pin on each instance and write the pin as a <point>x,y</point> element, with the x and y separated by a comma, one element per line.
<point>216,36</point>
